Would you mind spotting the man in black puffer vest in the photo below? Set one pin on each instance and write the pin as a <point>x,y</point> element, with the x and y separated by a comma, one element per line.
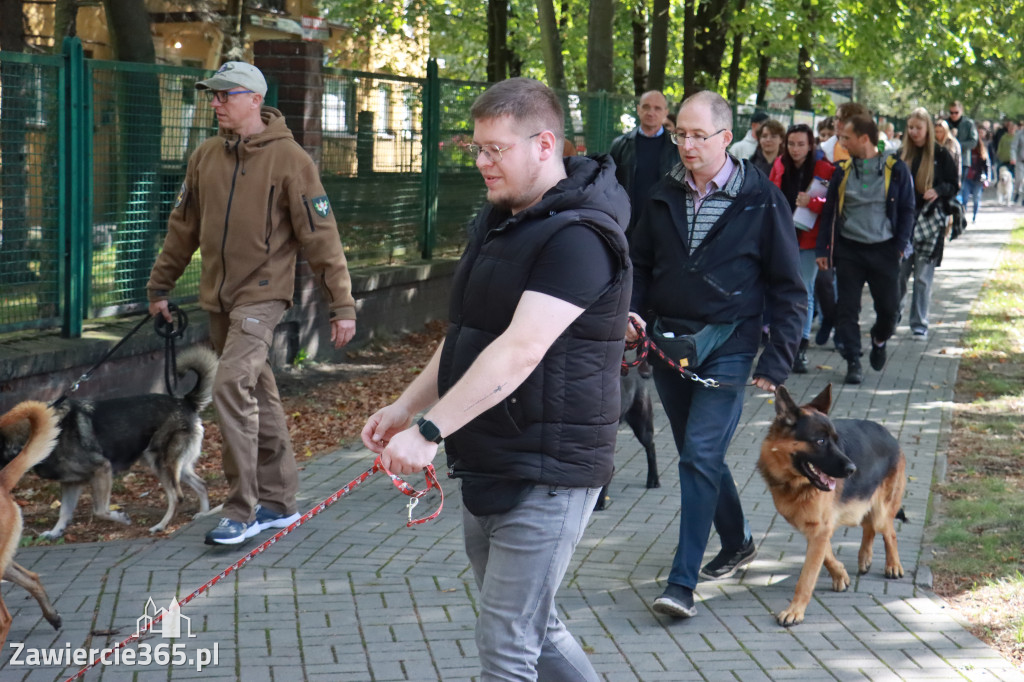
<point>524,391</point>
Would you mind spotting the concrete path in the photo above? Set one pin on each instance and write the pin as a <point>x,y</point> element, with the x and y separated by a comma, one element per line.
<point>354,595</point>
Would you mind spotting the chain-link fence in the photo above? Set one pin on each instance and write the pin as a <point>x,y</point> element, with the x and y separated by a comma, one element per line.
<point>93,153</point>
<point>30,277</point>
<point>146,121</point>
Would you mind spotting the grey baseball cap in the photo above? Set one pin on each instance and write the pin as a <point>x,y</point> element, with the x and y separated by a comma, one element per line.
<point>236,75</point>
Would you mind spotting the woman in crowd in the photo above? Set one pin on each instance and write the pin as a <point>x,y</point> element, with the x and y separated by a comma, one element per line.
<point>935,184</point>
<point>769,143</point>
<point>978,174</point>
<point>826,129</point>
<point>802,177</point>
<point>950,143</point>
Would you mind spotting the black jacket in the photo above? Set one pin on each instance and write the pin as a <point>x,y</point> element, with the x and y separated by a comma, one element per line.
<point>749,258</point>
<point>559,426</point>
<point>623,152</point>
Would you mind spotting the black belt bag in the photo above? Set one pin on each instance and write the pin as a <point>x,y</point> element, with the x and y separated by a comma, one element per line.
<point>677,339</point>
<point>689,343</point>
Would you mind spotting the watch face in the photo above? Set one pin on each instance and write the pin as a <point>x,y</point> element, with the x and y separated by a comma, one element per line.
<point>429,430</point>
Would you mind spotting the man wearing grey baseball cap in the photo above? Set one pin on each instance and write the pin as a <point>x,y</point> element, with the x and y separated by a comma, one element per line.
<point>251,198</point>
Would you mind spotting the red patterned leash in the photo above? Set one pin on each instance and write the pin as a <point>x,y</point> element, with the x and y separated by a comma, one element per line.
<point>643,345</point>
<point>406,489</point>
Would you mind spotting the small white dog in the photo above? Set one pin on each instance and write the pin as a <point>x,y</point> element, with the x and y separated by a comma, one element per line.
<point>1004,187</point>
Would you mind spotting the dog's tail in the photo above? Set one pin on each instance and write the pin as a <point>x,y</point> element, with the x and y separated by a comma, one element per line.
<point>901,515</point>
<point>43,432</point>
<point>203,362</point>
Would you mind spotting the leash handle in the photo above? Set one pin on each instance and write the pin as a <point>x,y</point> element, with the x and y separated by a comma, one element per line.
<point>431,478</point>
<point>644,346</point>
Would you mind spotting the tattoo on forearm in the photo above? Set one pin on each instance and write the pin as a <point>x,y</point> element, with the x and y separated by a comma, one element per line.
<point>497,389</point>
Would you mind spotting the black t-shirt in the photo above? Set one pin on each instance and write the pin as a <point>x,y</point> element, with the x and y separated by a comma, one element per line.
<point>576,266</point>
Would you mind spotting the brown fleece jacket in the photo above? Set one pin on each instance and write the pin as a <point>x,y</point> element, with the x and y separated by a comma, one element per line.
<point>248,205</point>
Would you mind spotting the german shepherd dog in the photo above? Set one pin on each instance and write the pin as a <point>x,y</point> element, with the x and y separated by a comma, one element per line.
<point>638,411</point>
<point>824,473</point>
<point>101,438</point>
<point>42,437</point>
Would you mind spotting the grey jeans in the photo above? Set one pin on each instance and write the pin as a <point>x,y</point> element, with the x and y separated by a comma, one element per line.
<point>923,271</point>
<point>519,559</point>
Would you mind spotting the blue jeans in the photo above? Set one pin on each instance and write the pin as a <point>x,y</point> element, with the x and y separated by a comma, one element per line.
<point>808,273</point>
<point>972,190</point>
<point>703,421</point>
<point>519,559</point>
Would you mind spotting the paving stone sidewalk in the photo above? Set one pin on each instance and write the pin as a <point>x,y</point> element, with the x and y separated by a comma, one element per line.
<point>354,595</point>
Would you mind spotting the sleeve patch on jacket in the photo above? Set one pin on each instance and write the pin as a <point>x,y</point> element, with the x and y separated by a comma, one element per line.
<point>181,195</point>
<point>322,206</point>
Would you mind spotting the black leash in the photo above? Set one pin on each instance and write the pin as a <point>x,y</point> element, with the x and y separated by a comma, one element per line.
<point>163,328</point>
<point>644,345</point>
<point>169,331</point>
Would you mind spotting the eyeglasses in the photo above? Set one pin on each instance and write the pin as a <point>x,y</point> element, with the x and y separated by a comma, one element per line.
<point>492,150</point>
<point>222,95</point>
<point>695,140</point>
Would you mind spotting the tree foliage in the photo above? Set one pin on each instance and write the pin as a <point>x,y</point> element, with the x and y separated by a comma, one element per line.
<point>902,53</point>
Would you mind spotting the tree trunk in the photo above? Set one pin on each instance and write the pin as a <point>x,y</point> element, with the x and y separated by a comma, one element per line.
<point>232,47</point>
<point>497,36</point>
<point>764,62</point>
<point>710,34</point>
<point>639,48</point>
<point>660,19</point>
<point>14,96</point>
<point>600,46</point>
<point>732,89</point>
<point>600,74</point>
<point>65,15</point>
<point>139,130</point>
<point>804,96</point>
<point>551,44</point>
<point>689,33</point>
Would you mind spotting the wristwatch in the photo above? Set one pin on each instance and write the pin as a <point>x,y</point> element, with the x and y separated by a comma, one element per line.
<point>429,430</point>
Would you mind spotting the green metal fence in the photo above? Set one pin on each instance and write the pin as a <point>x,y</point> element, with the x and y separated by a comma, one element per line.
<point>92,154</point>
<point>30,191</point>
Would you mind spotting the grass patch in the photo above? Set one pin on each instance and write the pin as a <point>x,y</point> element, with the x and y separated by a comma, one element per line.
<point>979,534</point>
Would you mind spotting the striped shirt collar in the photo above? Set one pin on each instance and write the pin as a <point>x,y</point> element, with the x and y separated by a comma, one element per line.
<point>729,179</point>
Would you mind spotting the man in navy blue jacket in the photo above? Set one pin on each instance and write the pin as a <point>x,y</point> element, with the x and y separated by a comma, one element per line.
<point>713,245</point>
<point>866,226</point>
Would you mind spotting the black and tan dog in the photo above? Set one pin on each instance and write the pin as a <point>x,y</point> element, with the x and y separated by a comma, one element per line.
<point>823,474</point>
<point>102,438</point>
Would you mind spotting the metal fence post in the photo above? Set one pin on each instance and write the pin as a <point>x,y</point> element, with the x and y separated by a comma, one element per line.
<point>74,171</point>
<point>431,142</point>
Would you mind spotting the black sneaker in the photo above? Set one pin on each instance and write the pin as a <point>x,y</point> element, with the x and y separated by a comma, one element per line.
<point>676,601</point>
<point>854,374</point>
<point>728,562</point>
<point>800,363</point>
<point>877,357</point>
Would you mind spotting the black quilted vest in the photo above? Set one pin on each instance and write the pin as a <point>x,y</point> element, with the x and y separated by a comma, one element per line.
<point>559,426</point>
